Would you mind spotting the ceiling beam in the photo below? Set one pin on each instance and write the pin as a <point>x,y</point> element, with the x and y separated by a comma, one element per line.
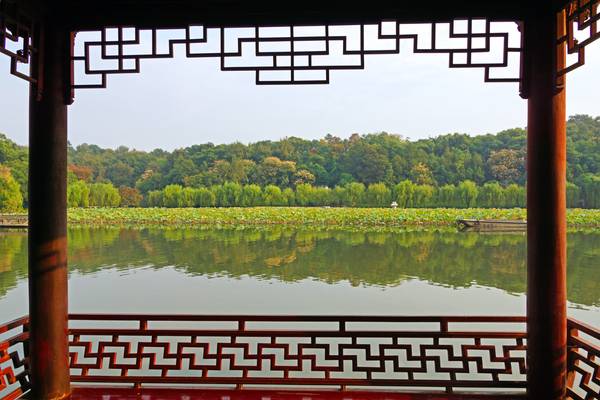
<point>91,15</point>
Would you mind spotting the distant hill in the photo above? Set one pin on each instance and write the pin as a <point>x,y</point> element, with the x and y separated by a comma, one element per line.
<point>330,161</point>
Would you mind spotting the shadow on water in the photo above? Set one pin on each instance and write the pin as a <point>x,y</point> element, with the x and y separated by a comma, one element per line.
<point>441,257</point>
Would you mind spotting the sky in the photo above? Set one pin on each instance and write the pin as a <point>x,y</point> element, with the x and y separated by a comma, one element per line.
<point>179,102</point>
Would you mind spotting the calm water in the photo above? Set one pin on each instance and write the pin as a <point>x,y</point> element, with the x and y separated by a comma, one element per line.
<point>296,271</point>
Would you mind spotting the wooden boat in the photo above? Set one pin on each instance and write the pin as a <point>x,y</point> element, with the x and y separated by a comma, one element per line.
<point>491,225</point>
<point>14,221</point>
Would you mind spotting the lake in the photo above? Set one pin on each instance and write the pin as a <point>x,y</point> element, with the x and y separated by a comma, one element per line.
<point>283,270</point>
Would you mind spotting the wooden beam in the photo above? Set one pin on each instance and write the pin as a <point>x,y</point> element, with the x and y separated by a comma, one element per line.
<point>546,208</point>
<point>179,13</point>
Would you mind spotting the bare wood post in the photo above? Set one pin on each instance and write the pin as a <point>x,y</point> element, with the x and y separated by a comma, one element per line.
<point>48,218</point>
<point>546,208</point>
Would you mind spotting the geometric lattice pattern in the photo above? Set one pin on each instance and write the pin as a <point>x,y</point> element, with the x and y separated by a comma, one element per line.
<point>17,32</point>
<point>299,54</point>
<point>582,29</point>
<point>14,379</point>
<point>447,353</point>
<point>584,361</point>
<point>296,54</point>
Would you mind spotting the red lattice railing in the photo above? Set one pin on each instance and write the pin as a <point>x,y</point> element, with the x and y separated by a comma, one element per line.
<point>14,378</point>
<point>440,353</point>
<point>584,361</point>
<point>436,353</point>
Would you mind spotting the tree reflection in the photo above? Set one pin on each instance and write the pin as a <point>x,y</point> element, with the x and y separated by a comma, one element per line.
<point>442,257</point>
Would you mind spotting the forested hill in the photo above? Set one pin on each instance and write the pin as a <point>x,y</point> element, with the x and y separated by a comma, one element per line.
<point>331,161</point>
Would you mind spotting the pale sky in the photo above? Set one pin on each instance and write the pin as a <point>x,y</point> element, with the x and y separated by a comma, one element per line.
<point>180,102</point>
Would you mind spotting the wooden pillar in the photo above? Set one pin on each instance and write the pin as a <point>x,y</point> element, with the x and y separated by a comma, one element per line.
<point>48,219</point>
<point>546,208</point>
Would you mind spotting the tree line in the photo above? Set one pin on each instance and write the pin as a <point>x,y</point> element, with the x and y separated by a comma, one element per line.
<point>493,163</point>
<point>405,194</point>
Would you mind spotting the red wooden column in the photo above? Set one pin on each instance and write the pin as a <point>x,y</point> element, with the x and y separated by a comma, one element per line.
<point>48,218</point>
<point>546,208</point>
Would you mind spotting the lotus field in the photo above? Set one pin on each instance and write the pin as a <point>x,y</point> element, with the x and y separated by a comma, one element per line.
<point>306,216</point>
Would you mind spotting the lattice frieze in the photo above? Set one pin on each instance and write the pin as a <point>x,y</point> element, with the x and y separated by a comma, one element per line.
<point>582,28</point>
<point>326,351</point>
<point>300,54</point>
<point>296,54</point>
<point>17,32</point>
<point>14,379</point>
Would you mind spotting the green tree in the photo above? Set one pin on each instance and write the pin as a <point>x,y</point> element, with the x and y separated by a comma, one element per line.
<point>251,196</point>
<point>573,195</point>
<point>289,196</point>
<point>273,196</point>
<point>355,194</point>
<point>154,198</point>
<point>78,194</point>
<point>466,194</point>
<point>11,199</point>
<point>148,181</point>
<point>228,194</point>
<point>514,196</point>
<point>188,197</point>
<point>173,196</point>
<point>378,195</point>
<point>120,174</point>
<point>590,186</point>
<point>16,159</point>
<point>446,196</point>
<point>241,170</point>
<point>339,196</point>
<point>366,163</point>
<point>404,194</point>
<point>491,195</point>
<point>232,192</point>
<point>304,194</point>
<point>322,196</point>
<point>423,196</point>
<point>204,198</point>
<point>273,171</point>
<point>179,167</point>
<point>104,195</point>
<point>345,179</point>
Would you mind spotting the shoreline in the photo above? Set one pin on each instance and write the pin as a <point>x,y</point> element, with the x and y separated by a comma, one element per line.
<point>316,217</point>
<point>385,218</point>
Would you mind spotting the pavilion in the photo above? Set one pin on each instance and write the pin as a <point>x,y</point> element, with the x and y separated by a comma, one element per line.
<point>53,355</point>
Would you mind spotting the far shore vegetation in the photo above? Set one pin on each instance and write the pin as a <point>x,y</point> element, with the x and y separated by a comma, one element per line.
<point>364,171</point>
<point>312,217</point>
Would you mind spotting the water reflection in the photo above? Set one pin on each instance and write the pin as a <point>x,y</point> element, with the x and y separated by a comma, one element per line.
<point>383,259</point>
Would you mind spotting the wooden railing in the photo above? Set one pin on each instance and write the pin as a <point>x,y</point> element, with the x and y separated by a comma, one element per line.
<point>438,353</point>
<point>451,354</point>
<point>583,361</point>
<point>14,377</point>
